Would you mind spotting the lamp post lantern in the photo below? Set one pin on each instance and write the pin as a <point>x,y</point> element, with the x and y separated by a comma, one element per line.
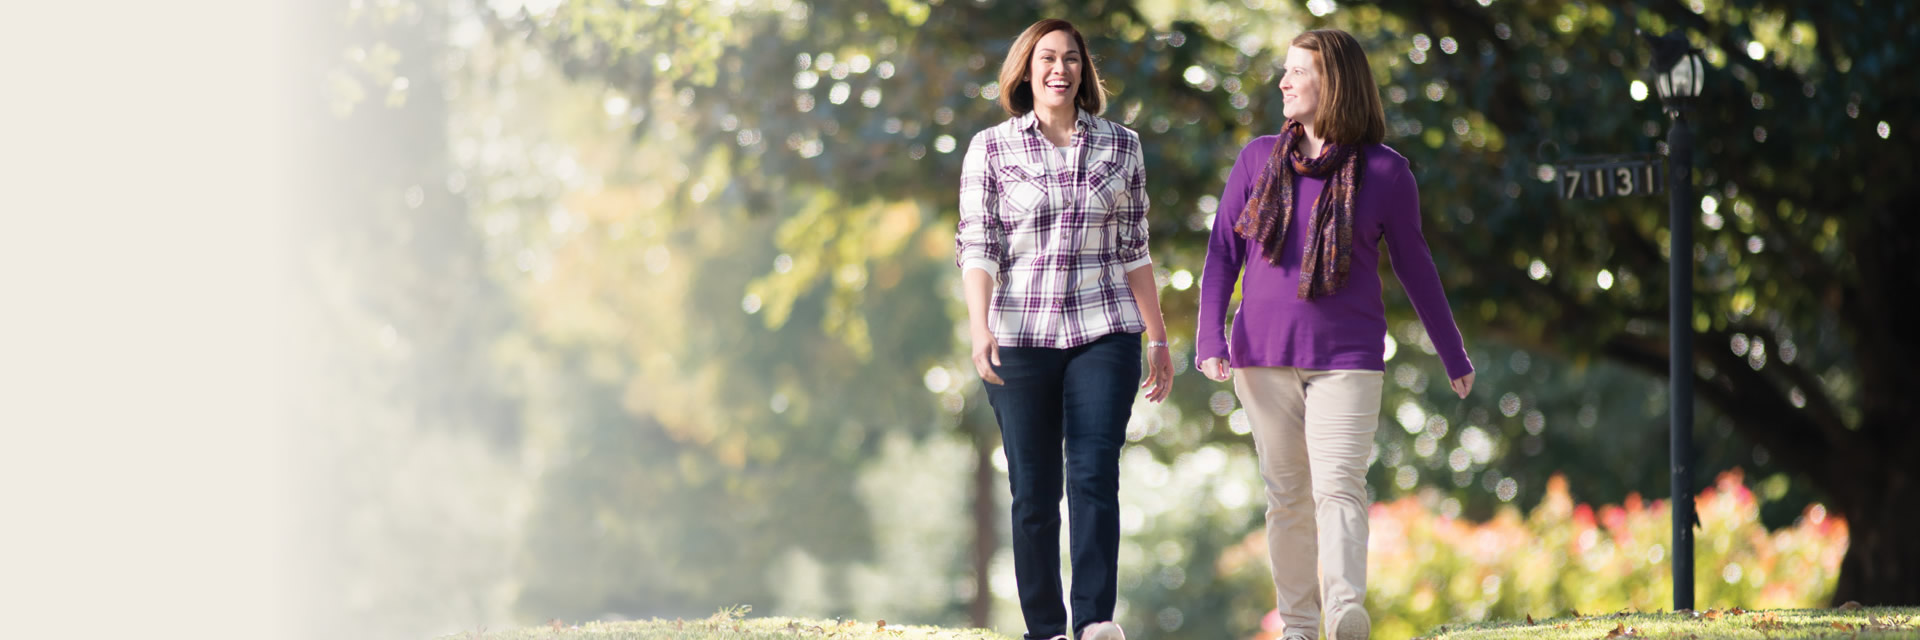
<point>1679,75</point>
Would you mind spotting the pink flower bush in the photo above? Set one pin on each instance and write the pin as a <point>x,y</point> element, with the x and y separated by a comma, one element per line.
<point>1426,569</point>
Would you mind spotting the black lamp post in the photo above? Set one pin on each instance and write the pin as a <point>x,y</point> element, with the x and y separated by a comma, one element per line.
<point>1679,74</point>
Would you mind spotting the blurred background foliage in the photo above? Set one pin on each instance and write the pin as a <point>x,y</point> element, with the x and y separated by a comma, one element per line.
<point>630,309</point>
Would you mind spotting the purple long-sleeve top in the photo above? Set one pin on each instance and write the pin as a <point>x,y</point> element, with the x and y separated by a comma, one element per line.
<point>1345,330</point>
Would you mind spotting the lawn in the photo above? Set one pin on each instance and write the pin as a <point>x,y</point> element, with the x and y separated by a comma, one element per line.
<point>1786,624</point>
<point>1780,624</point>
<point>733,625</point>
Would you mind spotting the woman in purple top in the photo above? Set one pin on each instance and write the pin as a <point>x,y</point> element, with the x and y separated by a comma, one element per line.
<point>1300,226</point>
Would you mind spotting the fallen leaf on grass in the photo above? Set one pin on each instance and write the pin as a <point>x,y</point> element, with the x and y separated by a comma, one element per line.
<point>1529,618</point>
<point>1842,626</point>
<point>1737,611</point>
<point>880,625</point>
<point>1621,630</point>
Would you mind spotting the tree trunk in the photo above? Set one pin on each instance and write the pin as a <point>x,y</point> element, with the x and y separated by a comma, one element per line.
<point>1882,560</point>
<point>986,532</point>
<point>1877,482</point>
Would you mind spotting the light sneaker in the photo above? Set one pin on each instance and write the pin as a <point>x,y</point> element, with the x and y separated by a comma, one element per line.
<point>1103,631</point>
<point>1352,624</point>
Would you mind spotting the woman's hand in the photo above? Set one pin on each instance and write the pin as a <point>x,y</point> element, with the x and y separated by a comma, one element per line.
<point>1216,368</point>
<point>986,356</point>
<point>979,286</point>
<point>1159,381</point>
<point>1463,384</point>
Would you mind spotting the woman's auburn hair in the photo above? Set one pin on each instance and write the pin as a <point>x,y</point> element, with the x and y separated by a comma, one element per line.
<point>1349,111</point>
<point>1016,95</point>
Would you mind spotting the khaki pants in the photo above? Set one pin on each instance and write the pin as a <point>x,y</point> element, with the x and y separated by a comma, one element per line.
<point>1313,431</point>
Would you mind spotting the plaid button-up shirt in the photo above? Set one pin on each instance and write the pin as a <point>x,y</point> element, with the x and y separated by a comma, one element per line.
<point>1058,232</point>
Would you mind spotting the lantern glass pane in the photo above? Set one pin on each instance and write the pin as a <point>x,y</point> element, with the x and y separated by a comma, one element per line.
<point>1683,74</point>
<point>1699,77</point>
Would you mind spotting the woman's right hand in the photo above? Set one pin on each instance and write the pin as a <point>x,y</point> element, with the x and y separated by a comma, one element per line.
<point>986,356</point>
<point>1216,368</point>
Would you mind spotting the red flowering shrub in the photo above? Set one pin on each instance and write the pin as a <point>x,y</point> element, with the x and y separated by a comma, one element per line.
<point>1426,569</point>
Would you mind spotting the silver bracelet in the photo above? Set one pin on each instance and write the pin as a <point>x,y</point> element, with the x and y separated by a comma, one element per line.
<point>1156,343</point>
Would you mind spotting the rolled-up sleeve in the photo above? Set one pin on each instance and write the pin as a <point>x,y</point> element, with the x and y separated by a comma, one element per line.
<point>976,246</point>
<point>1132,215</point>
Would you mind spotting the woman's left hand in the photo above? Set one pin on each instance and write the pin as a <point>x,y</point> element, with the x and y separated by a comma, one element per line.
<point>1159,381</point>
<point>1463,384</point>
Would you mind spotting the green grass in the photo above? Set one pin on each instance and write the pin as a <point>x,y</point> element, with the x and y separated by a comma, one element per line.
<point>1871,622</point>
<point>732,624</point>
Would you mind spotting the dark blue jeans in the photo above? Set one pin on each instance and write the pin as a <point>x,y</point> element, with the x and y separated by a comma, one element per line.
<point>1080,398</point>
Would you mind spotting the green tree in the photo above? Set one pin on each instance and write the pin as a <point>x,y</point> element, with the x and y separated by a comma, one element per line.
<point>704,386</point>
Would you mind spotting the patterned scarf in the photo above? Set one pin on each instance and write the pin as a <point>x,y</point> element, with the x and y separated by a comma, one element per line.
<point>1324,266</point>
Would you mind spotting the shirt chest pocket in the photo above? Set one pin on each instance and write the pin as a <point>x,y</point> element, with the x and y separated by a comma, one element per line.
<point>1023,190</point>
<point>1107,188</point>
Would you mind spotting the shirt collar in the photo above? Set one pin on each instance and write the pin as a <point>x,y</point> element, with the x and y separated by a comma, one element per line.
<point>1083,121</point>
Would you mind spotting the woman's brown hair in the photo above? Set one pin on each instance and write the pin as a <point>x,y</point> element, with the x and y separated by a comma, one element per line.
<point>1016,95</point>
<point>1349,111</point>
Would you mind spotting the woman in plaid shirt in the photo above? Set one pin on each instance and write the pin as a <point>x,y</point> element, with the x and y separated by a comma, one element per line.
<point>1052,248</point>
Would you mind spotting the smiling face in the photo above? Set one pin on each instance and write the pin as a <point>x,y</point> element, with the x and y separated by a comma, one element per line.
<point>1054,71</point>
<point>1049,68</point>
<point>1300,86</point>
